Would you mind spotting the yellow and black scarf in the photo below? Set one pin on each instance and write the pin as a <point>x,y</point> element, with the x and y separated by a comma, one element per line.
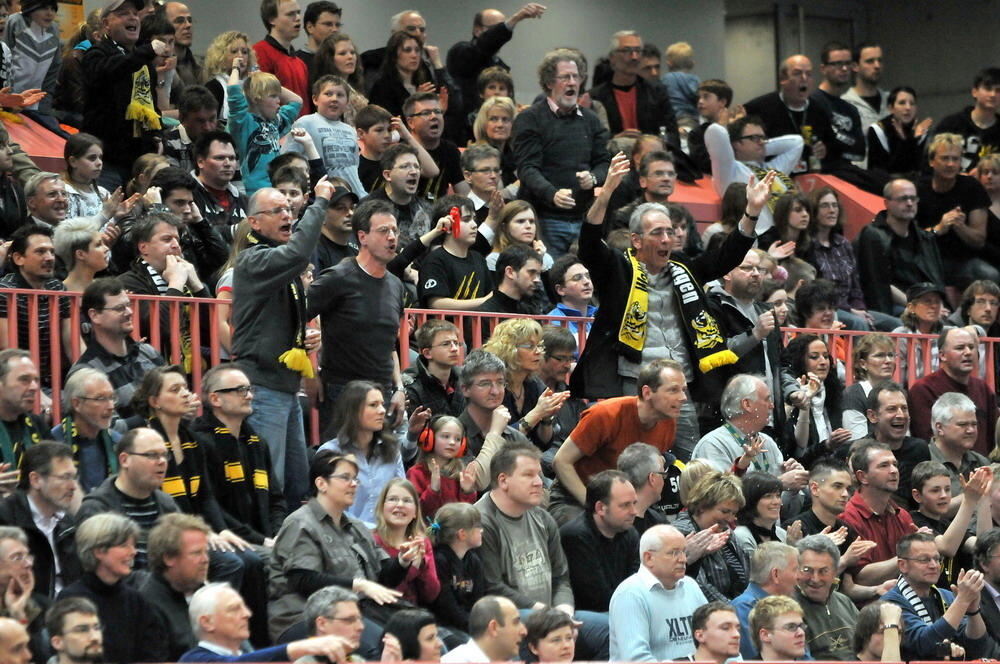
<point>295,358</point>
<point>13,450</point>
<point>72,437</point>
<point>140,108</point>
<point>701,328</point>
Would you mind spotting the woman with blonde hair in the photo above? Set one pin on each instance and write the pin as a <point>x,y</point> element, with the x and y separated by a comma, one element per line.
<point>712,504</point>
<point>399,530</point>
<point>532,405</point>
<point>493,126</point>
<point>219,63</point>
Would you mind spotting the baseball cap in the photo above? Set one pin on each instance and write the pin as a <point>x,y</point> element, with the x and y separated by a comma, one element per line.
<point>923,288</point>
<point>341,192</point>
<point>113,5</point>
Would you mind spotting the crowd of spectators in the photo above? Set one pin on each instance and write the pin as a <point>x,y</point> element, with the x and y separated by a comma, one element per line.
<point>647,448</point>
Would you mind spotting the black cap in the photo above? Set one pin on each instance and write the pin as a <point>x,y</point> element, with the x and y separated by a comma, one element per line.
<point>340,192</point>
<point>923,288</point>
<point>28,6</point>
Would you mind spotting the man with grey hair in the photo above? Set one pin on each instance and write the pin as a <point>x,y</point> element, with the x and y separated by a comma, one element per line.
<point>334,611</point>
<point>89,405</point>
<point>46,198</point>
<point>221,621</point>
<point>645,467</point>
<point>652,305</point>
<point>773,571</point>
<point>650,615</point>
<point>740,445</point>
<point>829,614</point>
<point>560,151</point>
<point>953,418</point>
<point>483,379</point>
<point>269,323</point>
<point>632,102</point>
<point>409,21</point>
<point>21,601</point>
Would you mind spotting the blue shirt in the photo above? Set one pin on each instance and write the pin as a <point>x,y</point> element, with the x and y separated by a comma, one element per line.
<point>373,473</point>
<point>563,310</point>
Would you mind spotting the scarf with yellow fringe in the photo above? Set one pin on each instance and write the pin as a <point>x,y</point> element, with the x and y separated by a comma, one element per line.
<point>141,108</point>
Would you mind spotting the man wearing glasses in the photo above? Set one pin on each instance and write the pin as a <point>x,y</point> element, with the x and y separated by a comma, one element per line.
<point>778,629</point>
<point>934,617</point>
<point>425,120</point>
<point>400,165</point>
<point>86,426</point>
<point>239,462</point>
<point>632,102</point>
<point>107,315</point>
<point>848,135</point>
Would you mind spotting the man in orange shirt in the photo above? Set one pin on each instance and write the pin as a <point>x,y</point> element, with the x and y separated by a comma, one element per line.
<point>608,427</point>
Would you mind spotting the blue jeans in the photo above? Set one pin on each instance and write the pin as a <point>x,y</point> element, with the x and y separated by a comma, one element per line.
<point>277,419</point>
<point>558,235</point>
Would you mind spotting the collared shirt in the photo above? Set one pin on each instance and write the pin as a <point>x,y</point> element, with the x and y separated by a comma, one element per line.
<point>970,461</point>
<point>467,652</point>
<point>995,594</point>
<point>884,529</point>
<point>217,649</point>
<point>47,526</point>
<point>554,107</point>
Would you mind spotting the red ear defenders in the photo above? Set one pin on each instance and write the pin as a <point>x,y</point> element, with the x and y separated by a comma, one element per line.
<point>426,439</point>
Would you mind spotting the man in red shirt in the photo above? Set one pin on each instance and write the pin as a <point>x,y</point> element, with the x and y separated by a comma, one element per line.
<point>873,515</point>
<point>275,53</point>
<point>608,427</point>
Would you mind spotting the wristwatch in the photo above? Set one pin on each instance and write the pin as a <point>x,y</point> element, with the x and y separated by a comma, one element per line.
<point>890,626</point>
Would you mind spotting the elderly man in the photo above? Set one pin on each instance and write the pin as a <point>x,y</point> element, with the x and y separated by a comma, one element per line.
<point>41,507</point>
<point>178,560</point>
<point>651,610</point>
<point>21,601</point>
<point>496,630</point>
<point>86,427</point>
<point>788,111</point>
<point>931,614</point>
<point>560,151</point>
<point>221,620</point>
<point>830,615</point>
<point>111,350</point>
<point>668,318</point>
<point>957,351</point>
<point>46,199</point>
<point>773,568</point>
<point>645,467</point>
<point>953,417</point>
<point>269,318</point>
<point>14,642</point>
<point>523,559</point>
<point>239,462</point>
<point>75,632</point>
<point>632,102</point>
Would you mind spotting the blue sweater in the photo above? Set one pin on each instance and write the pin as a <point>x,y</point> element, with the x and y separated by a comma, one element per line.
<point>919,638</point>
<point>272,654</point>
<point>257,139</point>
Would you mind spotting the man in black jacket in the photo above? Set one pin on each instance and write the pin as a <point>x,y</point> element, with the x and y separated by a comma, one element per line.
<point>653,306</point>
<point>42,500</point>
<point>631,101</point>
<point>432,381</point>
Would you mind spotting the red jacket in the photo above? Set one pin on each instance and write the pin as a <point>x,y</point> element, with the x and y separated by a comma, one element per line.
<point>430,500</point>
<point>290,70</point>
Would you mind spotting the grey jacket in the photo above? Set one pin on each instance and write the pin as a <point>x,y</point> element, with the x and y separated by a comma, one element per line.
<point>263,324</point>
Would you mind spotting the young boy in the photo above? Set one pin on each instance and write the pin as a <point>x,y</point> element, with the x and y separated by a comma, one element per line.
<point>432,381</point>
<point>35,56</point>
<point>337,240</point>
<point>261,111</point>
<point>375,127</point>
<point>455,276</point>
<point>290,181</point>
<point>979,124</point>
<point>681,83</point>
<point>930,485</point>
<point>714,96</point>
<point>334,138</point>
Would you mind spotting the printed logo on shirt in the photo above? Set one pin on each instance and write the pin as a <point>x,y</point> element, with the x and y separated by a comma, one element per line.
<point>430,283</point>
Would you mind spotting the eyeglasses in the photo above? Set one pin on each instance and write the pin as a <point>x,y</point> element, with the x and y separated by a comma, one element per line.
<point>65,477</point>
<point>106,398</point>
<point>344,477</point>
<point>905,199</point>
<point>492,171</point>
<point>152,456</point>
<point>448,344</point>
<point>925,560</point>
<point>756,138</point>
<point>488,384</point>
<point>791,627</point>
<point>242,390</point>
<point>534,348</point>
<point>399,500</point>
<point>674,553</point>
<point>21,557</point>
<point>283,209</point>
<point>118,308</point>
<point>563,358</point>
<point>426,113</point>
<point>566,78</point>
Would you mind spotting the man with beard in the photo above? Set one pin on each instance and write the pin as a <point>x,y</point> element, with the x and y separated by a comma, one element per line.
<point>75,632</point>
<point>749,326</point>
<point>830,615</point>
<point>520,271</point>
<point>34,258</point>
<point>425,120</point>
<point>957,352</point>
<point>360,299</point>
<point>657,177</point>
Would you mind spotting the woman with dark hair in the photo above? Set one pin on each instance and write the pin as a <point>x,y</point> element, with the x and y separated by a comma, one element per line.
<point>404,72</point>
<point>84,157</point>
<point>791,224</point>
<point>878,633</point>
<point>361,429</point>
<point>896,142</point>
<point>338,56</point>
<point>417,633</point>
<point>814,393</point>
<point>551,635</point>
<point>761,514</point>
<point>713,501</point>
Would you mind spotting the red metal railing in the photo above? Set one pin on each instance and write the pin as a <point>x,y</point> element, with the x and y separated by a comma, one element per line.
<point>916,350</point>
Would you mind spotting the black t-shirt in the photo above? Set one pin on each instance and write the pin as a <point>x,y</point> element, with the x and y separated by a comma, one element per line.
<point>811,525</point>
<point>967,194</point>
<point>446,275</point>
<point>875,101</point>
<point>845,121</point>
<point>448,159</point>
<point>910,453</point>
<point>978,142</point>
<point>328,253</point>
<point>370,174</point>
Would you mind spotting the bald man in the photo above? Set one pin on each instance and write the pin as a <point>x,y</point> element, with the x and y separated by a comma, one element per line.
<point>490,31</point>
<point>13,642</point>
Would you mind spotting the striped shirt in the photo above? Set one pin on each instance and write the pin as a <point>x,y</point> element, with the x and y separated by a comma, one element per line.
<point>24,322</point>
